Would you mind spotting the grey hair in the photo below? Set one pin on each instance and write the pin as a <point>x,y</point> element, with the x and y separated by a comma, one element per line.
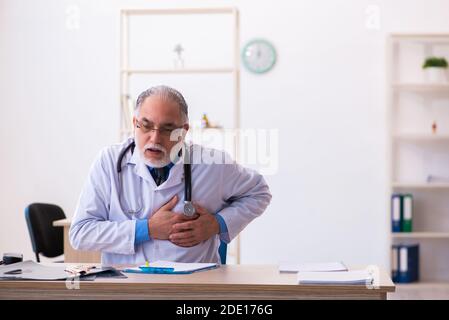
<point>165,92</point>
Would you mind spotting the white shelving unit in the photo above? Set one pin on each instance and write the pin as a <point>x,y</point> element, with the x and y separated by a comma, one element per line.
<point>417,150</point>
<point>127,72</point>
<point>423,88</point>
<point>422,137</point>
<point>413,186</point>
<point>423,290</point>
<point>421,235</point>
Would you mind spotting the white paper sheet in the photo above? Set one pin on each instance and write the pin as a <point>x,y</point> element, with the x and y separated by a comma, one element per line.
<point>356,277</point>
<point>312,267</point>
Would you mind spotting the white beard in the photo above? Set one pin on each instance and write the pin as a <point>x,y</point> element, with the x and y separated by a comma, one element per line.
<point>153,163</point>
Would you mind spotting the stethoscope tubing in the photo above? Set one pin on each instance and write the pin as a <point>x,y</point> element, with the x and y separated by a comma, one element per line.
<point>187,176</point>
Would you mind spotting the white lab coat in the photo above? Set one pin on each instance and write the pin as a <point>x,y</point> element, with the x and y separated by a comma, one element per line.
<point>239,195</point>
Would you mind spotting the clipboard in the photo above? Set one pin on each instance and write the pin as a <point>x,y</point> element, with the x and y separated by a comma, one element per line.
<point>169,267</point>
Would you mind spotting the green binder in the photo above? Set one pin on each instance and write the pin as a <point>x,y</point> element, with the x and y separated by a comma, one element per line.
<point>407,202</point>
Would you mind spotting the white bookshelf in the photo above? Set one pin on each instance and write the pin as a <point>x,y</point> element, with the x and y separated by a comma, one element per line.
<point>417,150</point>
<point>414,186</point>
<point>423,88</point>
<point>128,72</point>
<point>423,290</point>
<point>421,235</point>
<point>417,137</point>
<point>177,71</point>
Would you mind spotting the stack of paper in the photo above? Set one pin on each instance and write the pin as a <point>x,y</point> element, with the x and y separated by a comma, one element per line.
<point>312,267</point>
<point>356,277</point>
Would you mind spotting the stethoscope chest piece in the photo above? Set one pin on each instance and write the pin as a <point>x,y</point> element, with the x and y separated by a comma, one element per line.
<point>189,209</point>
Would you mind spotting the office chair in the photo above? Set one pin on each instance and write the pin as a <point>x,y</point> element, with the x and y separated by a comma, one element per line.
<point>45,238</point>
<point>222,251</point>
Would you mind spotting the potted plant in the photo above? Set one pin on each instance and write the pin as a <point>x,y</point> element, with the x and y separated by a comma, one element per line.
<point>436,69</point>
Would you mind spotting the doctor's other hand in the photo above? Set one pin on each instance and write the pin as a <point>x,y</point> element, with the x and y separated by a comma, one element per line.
<point>191,233</point>
<point>161,222</point>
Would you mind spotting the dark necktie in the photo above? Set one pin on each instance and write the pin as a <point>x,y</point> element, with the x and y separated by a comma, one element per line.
<point>159,176</point>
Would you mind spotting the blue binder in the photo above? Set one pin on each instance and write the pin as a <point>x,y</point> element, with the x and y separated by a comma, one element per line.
<point>396,212</point>
<point>408,263</point>
<point>395,263</point>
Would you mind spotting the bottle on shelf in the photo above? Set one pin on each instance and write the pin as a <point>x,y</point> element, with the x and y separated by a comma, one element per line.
<point>205,121</point>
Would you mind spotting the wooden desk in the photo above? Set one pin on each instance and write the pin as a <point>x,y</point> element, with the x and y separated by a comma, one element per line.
<point>72,255</point>
<point>226,282</point>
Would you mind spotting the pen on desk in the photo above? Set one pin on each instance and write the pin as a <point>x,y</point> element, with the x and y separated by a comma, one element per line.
<point>158,270</point>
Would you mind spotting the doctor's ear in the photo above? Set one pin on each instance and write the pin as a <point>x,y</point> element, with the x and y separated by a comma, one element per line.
<point>183,132</point>
<point>134,125</point>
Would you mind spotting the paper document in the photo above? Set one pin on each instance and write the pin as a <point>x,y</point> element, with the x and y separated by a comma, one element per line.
<point>312,267</point>
<point>161,266</point>
<point>30,270</point>
<point>356,277</point>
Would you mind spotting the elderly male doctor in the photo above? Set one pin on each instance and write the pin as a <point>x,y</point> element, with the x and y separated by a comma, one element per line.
<point>137,215</point>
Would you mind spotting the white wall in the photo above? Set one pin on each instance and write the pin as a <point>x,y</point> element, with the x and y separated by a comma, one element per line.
<point>326,95</point>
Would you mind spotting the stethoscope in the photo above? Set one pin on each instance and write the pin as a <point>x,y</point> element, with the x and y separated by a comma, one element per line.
<point>189,209</point>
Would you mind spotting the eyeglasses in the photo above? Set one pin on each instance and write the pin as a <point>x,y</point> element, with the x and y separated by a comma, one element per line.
<point>149,127</point>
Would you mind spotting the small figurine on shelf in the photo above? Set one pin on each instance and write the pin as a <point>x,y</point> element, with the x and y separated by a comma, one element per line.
<point>179,60</point>
<point>434,127</point>
<point>205,121</point>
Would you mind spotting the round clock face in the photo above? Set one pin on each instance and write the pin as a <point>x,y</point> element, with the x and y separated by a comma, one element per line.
<point>259,56</point>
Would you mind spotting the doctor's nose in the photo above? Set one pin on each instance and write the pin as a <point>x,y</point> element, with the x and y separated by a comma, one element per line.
<point>155,136</point>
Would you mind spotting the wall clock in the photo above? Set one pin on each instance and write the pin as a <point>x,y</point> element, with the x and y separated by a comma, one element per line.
<point>259,56</point>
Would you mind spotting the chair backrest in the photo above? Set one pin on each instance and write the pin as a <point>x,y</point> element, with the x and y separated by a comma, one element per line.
<point>45,238</point>
<point>222,251</point>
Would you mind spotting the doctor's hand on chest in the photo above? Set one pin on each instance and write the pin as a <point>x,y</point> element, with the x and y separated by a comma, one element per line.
<point>190,233</point>
<point>181,230</point>
<point>161,222</point>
